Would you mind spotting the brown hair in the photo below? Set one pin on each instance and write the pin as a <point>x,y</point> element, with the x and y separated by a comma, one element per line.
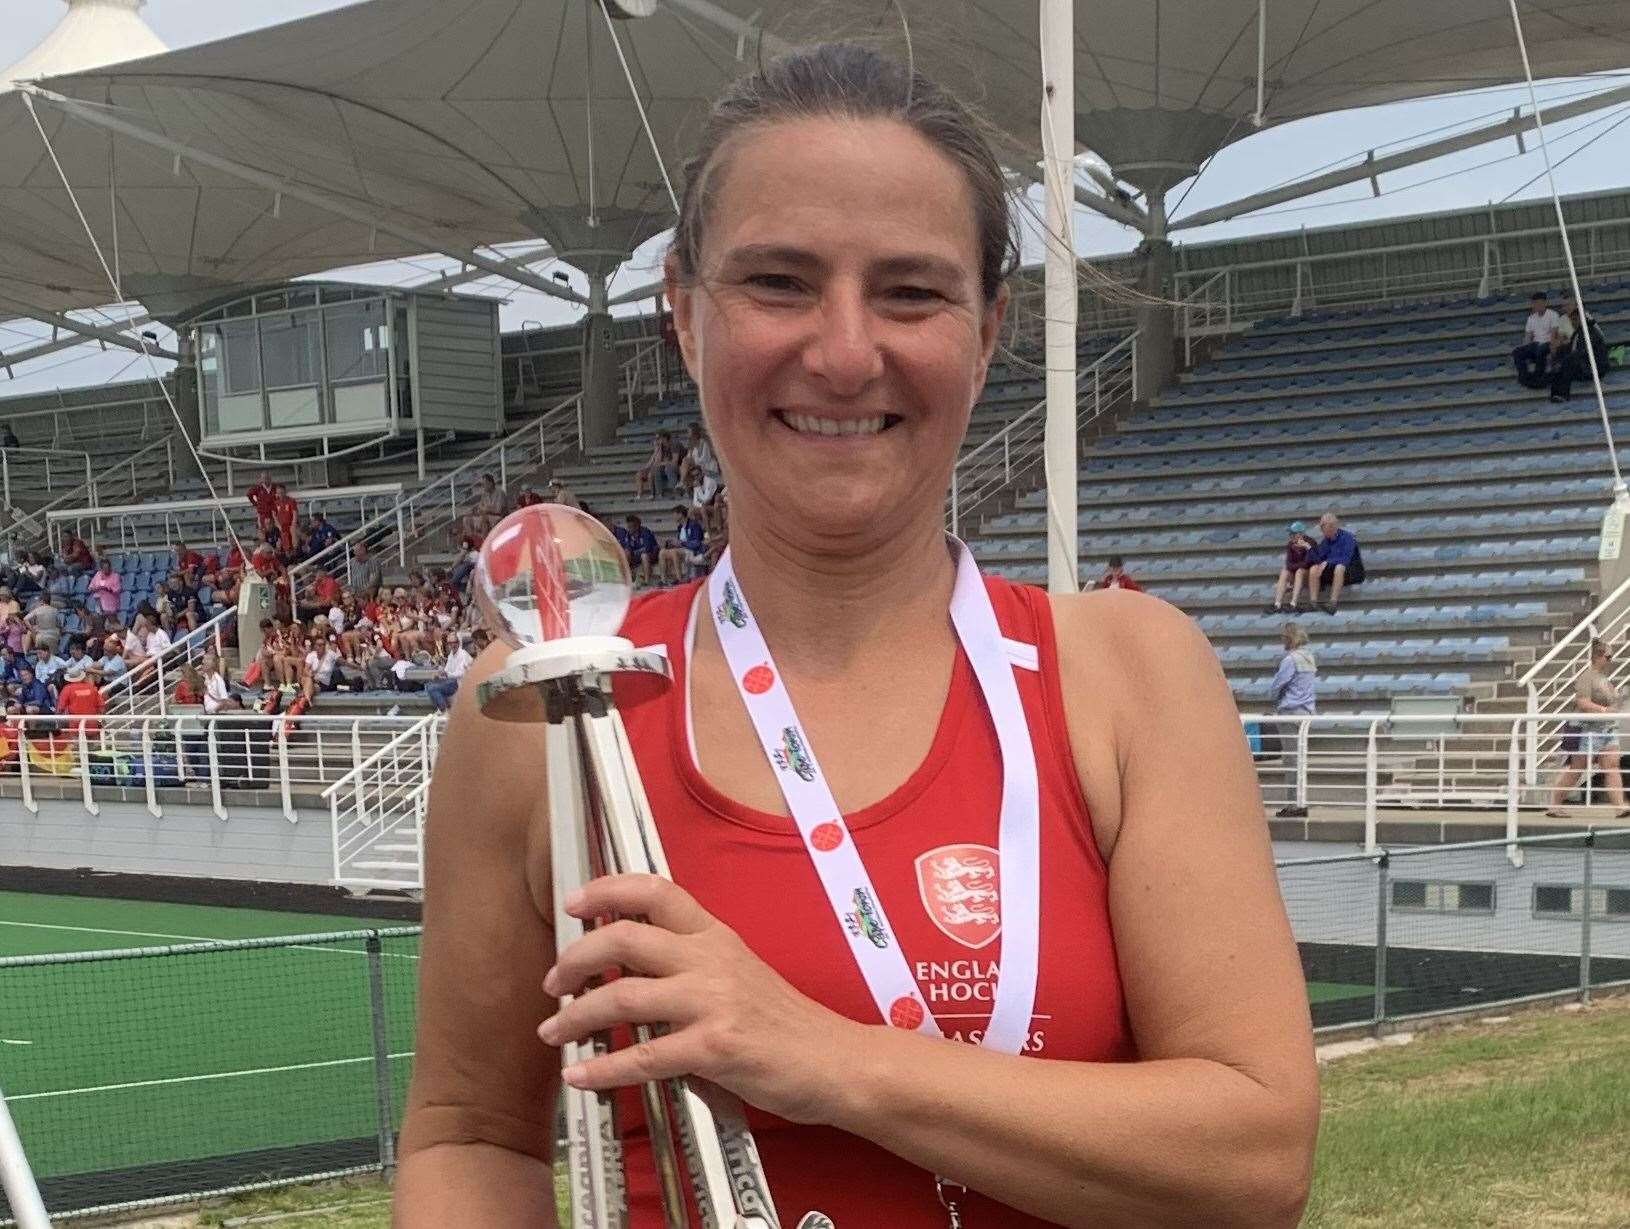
<point>855,82</point>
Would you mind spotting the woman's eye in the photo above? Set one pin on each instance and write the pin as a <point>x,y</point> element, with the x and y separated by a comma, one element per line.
<point>778,283</point>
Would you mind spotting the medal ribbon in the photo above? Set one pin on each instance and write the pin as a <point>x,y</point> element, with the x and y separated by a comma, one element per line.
<point>854,900</point>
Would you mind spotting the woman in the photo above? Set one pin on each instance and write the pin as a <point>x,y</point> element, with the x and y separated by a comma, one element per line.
<point>661,469</point>
<point>844,268</point>
<point>1593,741</point>
<point>1294,689</point>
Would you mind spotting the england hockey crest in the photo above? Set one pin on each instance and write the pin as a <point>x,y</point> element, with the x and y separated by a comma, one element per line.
<point>958,886</point>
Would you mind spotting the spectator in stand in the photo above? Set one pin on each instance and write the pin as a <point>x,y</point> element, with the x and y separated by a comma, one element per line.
<point>365,569</point>
<point>265,560</point>
<point>189,688</point>
<point>1539,332</point>
<point>48,667</point>
<point>77,656</point>
<point>285,516</point>
<point>641,545</point>
<point>1298,550</point>
<point>321,536</point>
<point>1295,694</point>
<point>111,664</point>
<point>1593,741</point>
<point>45,626</point>
<point>9,605</point>
<point>30,697</point>
<point>14,633</point>
<point>528,497</point>
<point>30,574</point>
<point>79,698</point>
<point>1116,577</point>
<point>324,593</point>
<point>189,564</point>
<point>320,660</point>
<point>218,697</point>
<point>1578,336</point>
<point>1336,557</point>
<point>661,470</point>
<point>558,494</point>
<point>686,551</point>
<point>441,691</point>
<point>8,437</point>
<point>699,456</point>
<point>462,569</point>
<point>263,499</point>
<point>76,556</point>
<point>106,588</point>
<point>485,509</point>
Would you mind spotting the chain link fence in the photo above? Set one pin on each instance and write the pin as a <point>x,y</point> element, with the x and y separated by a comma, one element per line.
<point>158,1074</point>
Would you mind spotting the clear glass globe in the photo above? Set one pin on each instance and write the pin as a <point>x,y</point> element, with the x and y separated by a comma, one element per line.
<point>549,572</point>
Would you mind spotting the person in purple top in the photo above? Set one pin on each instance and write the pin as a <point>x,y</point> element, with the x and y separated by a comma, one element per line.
<point>1334,556</point>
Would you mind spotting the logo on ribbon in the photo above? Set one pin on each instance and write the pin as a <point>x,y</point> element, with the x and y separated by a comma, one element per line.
<point>731,610</point>
<point>958,886</point>
<point>792,757</point>
<point>758,680</point>
<point>864,919</point>
<point>826,837</point>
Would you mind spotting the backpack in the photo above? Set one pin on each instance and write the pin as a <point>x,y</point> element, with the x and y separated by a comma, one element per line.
<point>1355,570</point>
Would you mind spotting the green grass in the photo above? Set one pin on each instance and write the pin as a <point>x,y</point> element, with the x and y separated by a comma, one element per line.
<point>1524,1124</point>
<point>119,1063</point>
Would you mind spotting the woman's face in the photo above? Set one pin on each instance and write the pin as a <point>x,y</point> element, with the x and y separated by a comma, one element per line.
<point>837,329</point>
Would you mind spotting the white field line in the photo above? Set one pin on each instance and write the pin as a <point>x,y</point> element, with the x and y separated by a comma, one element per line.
<point>212,1075</point>
<point>150,934</point>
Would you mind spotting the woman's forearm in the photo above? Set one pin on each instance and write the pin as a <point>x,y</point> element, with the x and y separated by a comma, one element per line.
<point>473,1184</point>
<point>1164,1142</point>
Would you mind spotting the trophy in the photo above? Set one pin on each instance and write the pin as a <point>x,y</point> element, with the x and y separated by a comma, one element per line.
<point>554,583</point>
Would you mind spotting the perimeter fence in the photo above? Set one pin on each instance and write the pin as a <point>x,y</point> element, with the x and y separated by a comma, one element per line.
<point>165,1074</point>
<point>159,1074</point>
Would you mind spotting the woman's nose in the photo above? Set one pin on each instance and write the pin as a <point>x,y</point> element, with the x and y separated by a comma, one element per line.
<point>845,352</point>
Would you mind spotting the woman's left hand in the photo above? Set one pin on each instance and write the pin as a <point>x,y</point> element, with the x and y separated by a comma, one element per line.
<point>731,1018</point>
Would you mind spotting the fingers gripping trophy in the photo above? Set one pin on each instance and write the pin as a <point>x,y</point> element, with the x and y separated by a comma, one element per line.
<point>554,583</point>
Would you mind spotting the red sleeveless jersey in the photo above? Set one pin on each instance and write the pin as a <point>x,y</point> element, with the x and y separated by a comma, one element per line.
<point>931,848</point>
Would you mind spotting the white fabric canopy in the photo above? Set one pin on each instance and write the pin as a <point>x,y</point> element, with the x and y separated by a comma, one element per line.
<point>394,126</point>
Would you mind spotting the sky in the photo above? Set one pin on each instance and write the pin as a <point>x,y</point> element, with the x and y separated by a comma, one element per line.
<point>1592,154</point>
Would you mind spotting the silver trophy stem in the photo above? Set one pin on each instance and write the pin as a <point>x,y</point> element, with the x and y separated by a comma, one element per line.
<point>594,1163</point>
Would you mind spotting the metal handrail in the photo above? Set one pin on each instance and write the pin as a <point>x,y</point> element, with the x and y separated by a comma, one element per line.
<point>207,637</point>
<point>1584,626</point>
<point>437,490</point>
<point>964,477</point>
<point>88,490</point>
<point>355,775</point>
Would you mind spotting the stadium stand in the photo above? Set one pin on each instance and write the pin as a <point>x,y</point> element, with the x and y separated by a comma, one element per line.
<point>1478,502</point>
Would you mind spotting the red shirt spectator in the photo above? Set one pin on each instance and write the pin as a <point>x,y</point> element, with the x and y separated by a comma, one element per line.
<point>187,559</point>
<point>234,559</point>
<point>266,562</point>
<point>527,498</point>
<point>1116,577</point>
<point>325,589</point>
<point>262,497</point>
<point>80,698</point>
<point>285,512</point>
<point>77,555</point>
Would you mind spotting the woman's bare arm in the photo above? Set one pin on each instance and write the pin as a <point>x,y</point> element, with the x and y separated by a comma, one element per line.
<point>479,1129</point>
<point>1216,1124</point>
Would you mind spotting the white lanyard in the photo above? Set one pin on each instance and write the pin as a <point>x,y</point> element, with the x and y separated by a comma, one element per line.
<point>849,890</point>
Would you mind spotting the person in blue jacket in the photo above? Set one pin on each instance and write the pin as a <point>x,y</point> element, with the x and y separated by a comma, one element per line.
<point>1294,690</point>
<point>1335,557</point>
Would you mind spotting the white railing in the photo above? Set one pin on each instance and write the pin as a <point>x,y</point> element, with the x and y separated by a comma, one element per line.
<point>31,472</point>
<point>1206,311</point>
<point>1393,273</point>
<point>157,524</point>
<point>1549,683</point>
<point>438,505</point>
<point>378,809</point>
<point>225,761</point>
<point>145,688</point>
<point>1470,763</point>
<point>129,477</point>
<point>1018,448</point>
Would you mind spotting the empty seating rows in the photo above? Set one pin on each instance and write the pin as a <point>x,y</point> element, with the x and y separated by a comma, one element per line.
<point>1478,503</point>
